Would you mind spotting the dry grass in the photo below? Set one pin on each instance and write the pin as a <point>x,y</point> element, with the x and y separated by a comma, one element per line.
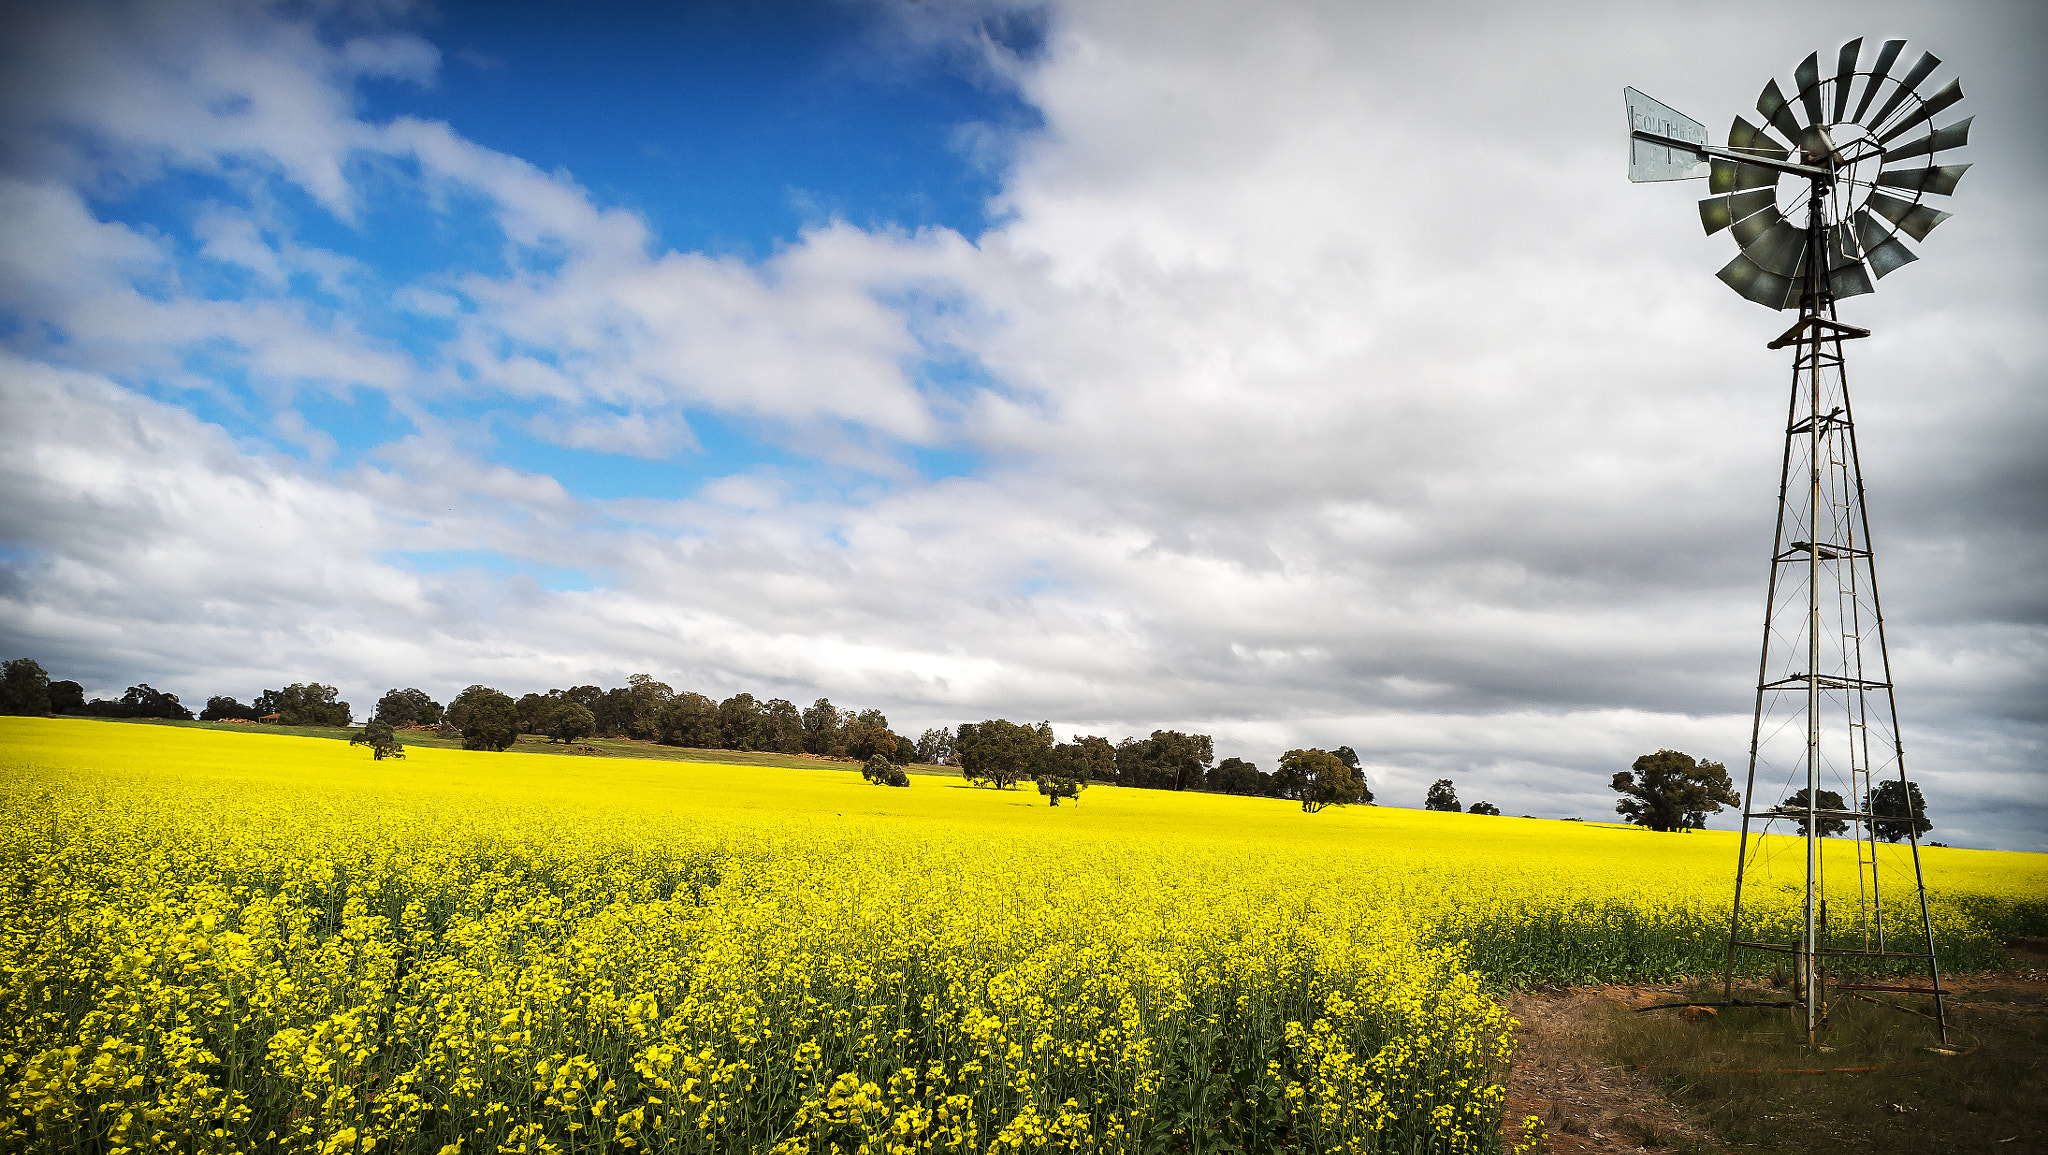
<point>1738,1073</point>
<point>1563,1074</point>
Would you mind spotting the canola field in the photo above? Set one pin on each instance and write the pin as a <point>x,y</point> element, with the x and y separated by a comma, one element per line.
<point>232,942</point>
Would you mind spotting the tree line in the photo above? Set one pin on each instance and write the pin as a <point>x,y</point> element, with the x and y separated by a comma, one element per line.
<point>1672,791</point>
<point>25,688</point>
<point>1664,791</point>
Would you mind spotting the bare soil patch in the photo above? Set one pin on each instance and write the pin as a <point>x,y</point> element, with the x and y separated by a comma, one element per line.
<point>1564,1074</point>
<point>1604,1078</point>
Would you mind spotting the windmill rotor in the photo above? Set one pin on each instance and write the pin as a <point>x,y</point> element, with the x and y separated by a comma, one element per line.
<point>1877,168</point>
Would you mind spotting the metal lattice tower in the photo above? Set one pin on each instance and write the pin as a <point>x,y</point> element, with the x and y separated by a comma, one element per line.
<point>1825,726</point>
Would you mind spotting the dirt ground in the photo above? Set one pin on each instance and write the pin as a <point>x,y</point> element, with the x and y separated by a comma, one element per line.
<point>1563,1075</point>
<point>1567,1072</point>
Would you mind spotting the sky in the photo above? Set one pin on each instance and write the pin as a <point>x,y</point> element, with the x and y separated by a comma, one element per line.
<point>1300,374</point>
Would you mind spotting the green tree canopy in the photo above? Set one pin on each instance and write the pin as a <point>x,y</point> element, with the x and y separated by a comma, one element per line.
<point>1057,786</point>
<point>614,710</point>
<point>1442,796</point>
<point>224,706</point>
<point>408,707</point>
<point>1001,753</point>
<point>689,719</point>
<point>1085,759</point>
<point>585,696</point>
<point>1483,807</point>
<point>1669,791</point>
<point>569,722</point>
<point>1822,800</point>
<point>821,729</point>
<point>143,701</point>
<point>1237,776</point>
<point>782,727</point>
<point>869,741</point>
<point>644,700</point>
<point>489,719</point>
<point>1349,757</point>
<point>1323,777</point>
<point>936,745</point>
<point>1168,760</point>
<point>24,687</point>
<point>533,712</point>
<point>1890,802</point>
<point>305,704</point>
<point>880,771</point>
<point>739,723</point>
<point>381,741</point>
<point>67,697</point>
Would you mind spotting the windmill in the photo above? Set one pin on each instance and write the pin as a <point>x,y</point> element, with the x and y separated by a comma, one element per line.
<point>1862,153</point>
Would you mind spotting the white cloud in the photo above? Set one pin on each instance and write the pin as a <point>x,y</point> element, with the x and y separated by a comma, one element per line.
<point>631,434</point>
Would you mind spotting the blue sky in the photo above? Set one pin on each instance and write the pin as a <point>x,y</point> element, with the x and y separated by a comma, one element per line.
<point>726,129</point>
<point>730,127</point>
<point>1301,374</point>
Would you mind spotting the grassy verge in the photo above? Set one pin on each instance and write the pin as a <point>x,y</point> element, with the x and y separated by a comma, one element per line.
<point>540,744</point>
<point>1746,1073</point>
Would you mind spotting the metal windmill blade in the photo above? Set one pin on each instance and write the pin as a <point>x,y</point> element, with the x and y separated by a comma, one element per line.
<point>1875,169</point>
<point>1845,75</point>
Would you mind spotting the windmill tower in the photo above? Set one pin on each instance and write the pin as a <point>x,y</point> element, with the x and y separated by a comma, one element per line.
<point>1825,726</point>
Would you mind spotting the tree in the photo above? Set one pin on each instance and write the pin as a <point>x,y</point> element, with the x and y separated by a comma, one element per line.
<point>1168,760</point>
<point>408,707</point>
<point>1349,757</point>
<point>821,729</point>
<point>739,722</point>
<point>935,746</point>
<point>882,772</point>
<point>1288,781</point>
<point>689,720</point>
<point>1442,796</point>
<point>1237,776</point>
<point>1001,753</point>
<point>613,712</point>
<point>1822,800</point>
<point>67,698</point>
<point>533,712</point>
<point>489,719</point>
<point>644,699</point>
<point>1324,779</point>
<point>782,727</point>
<point>1056,787</point>
<point>143,701</point>
<point>223,706</point>
<point>1669,791</point>
<point>305,704</point>
<point>585,696</point>
<point>868,741</point>
<point>1483,807</point>
<point>1894,806</point>
<point>568,722</point>
<point>379,738</point>
<point>1085,759</point>
<point>24,687</point>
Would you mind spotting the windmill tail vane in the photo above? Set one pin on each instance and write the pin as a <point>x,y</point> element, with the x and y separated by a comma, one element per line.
<point>1864,155</point>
